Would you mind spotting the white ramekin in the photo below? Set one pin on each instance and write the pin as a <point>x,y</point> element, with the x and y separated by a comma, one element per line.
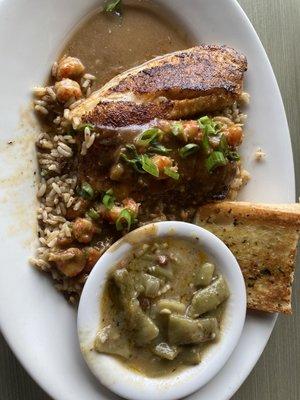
<point>128,383</point>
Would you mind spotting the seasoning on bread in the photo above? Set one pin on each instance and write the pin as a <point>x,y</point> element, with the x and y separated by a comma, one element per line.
<point>263,238</point>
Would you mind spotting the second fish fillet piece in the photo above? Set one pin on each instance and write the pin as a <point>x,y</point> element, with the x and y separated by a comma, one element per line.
<point>177,85</point>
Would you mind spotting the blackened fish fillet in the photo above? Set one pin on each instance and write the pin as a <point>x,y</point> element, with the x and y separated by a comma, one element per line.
<point>174,86</point>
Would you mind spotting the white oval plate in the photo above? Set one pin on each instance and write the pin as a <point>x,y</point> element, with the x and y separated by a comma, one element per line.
<point>38,324</point>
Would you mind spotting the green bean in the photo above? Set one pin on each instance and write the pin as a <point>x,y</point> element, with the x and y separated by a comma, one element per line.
<point>144,329</point>
<point>183,330</point>
<point>191,355</point>
<point>210,298</point>
<point>204,274</point>
<point>124,283</point>
<point>151,285</point>
<point>109,341</point>
<point>165,351</point>
<point>161,272</point>
<point>173,305</point>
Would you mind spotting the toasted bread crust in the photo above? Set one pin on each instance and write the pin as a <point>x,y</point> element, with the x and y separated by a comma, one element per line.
<point>264,240</point>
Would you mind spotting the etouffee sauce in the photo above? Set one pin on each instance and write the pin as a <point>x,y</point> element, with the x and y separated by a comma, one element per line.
<point>162,307</point>
<point>108,45</point>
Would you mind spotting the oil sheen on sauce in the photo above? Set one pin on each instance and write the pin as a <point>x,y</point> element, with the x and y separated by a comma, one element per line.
<point>107,44</point>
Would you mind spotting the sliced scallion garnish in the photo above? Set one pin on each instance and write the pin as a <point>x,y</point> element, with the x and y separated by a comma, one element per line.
<point>214,160</point>
<point>149,166</point>
<point>177,128</point>
<point>158,148</point>
<point>108,199</point>
<point>92,213</point>
<point>132,161</point>
<point>148,136</point>
<point>233,156</point>
<point>113,6</point>
<point>131,150</point>
<point>188,150</point>
<point>208,125</point>
<point>142,162</point>
<point>86,191</point>
<point>135,160</point>
<point>171,173</point>
<point>125,220</point>
<point>83,126</point>
<point>206,144</point>
<point>210,129</point>
<point>204,120</point>
<point>223,145</point>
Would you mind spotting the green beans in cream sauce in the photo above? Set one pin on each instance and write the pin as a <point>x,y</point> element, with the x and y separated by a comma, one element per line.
<point>162,307</point>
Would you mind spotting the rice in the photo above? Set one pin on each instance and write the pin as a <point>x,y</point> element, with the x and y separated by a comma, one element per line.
<point>89,138</point>
<point>42,188</point>
<point>241,179</point>
<point>51,92</point>
<point>89,77</point>
<point>39,91</point>
<point>54,69</point>
<point>41,109</point>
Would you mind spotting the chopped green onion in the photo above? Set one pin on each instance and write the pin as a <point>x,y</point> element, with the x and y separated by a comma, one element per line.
<point>108,199</point>
<point>83,126</point>
<point>92,213</point>
<point>223,145</point>
<point>113,6</point>
<point>233,156</point>
<point>188,150</point>
<point>171,173</point>
<point>177,128</point>
<point>158,148</point>
<point>204,121</point>
<point>210,129</point>
<point>135,162</point>
<point>126,217</point>
<point>206,144</point>
<point>128,160</point>
<point>149,136</point>
<point>142,162</point>
<point>125,158</point>
<point>149,166</point>
<point>224,148</point>
<point>86,191</point>
<point>214,160</point>
<point>208,125</point>
<point>131,149</point>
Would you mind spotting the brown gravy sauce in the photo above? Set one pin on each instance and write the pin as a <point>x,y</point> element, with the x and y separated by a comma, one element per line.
<point>107,44</point>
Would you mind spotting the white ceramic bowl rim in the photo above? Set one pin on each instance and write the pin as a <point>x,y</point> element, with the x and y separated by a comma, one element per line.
<point>129,384</point>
